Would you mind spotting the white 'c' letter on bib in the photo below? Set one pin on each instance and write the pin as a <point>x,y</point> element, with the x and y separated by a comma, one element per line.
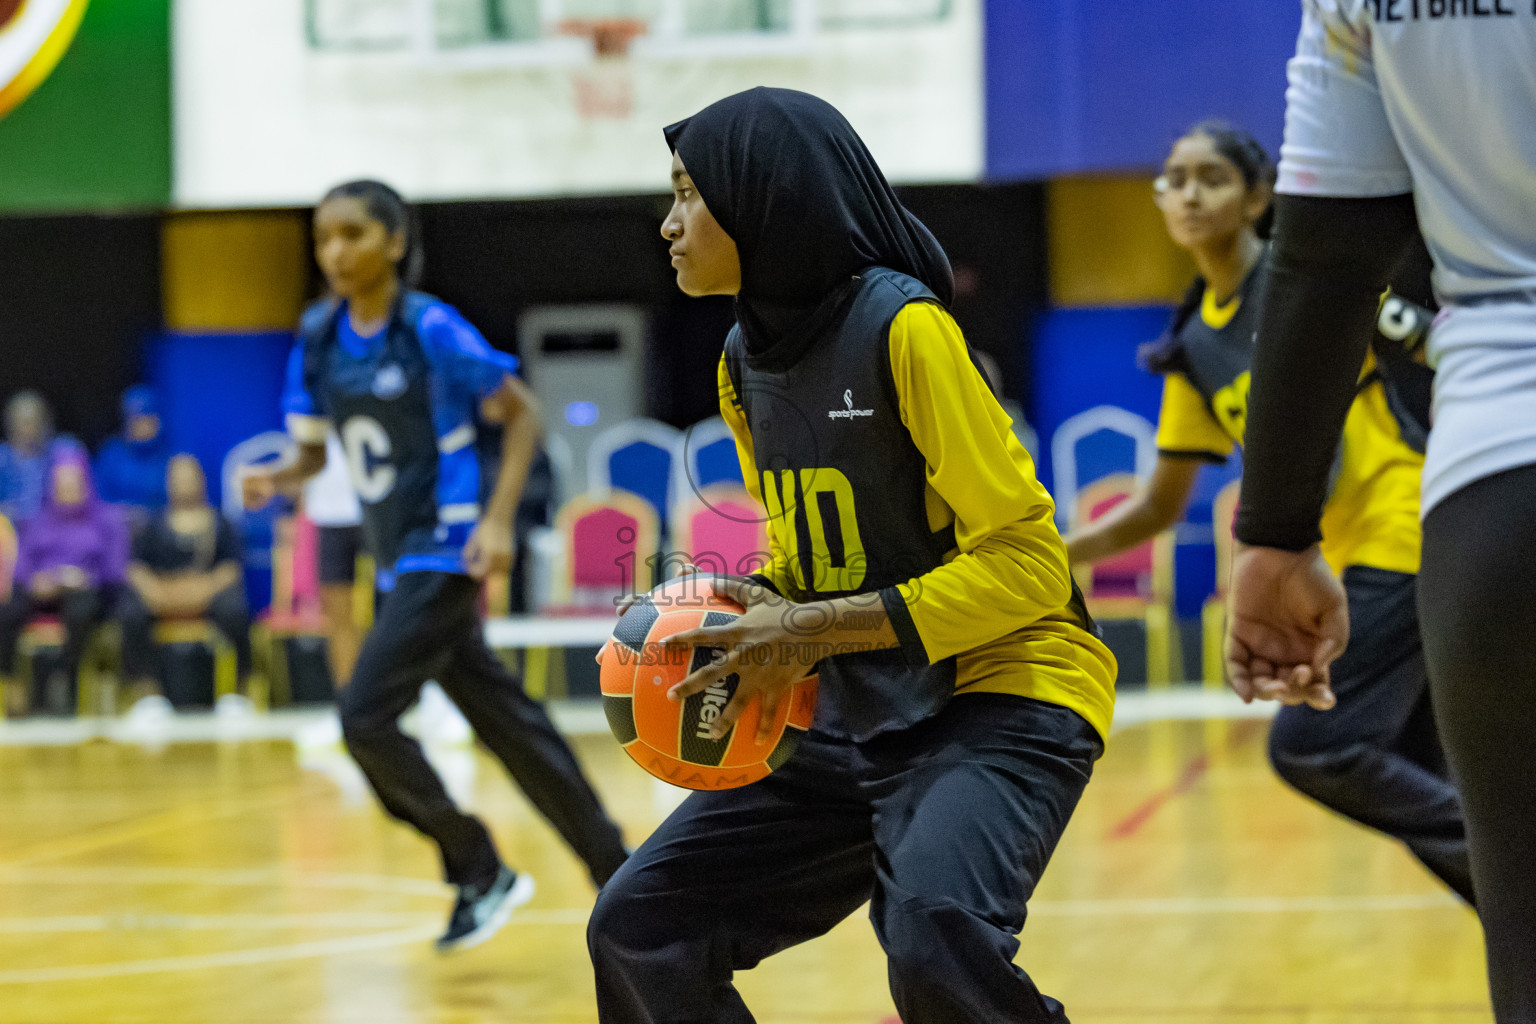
<point>368,452</point>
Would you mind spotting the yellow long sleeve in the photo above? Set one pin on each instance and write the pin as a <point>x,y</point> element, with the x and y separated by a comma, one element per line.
<point>1000,605</point>
<point>1011,568</point>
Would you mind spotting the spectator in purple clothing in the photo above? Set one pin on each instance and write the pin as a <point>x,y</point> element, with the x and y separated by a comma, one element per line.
<point>73,557</point>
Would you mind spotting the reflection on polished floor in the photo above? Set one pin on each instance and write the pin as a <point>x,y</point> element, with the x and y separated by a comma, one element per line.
<point>240,882</point>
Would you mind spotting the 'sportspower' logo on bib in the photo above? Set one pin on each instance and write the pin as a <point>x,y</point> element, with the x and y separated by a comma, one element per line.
<point>389,383</point>
<point>850,412</point>
<point>34,34</point>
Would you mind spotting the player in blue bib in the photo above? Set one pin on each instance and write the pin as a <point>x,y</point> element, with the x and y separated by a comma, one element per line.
<point>418,398</point>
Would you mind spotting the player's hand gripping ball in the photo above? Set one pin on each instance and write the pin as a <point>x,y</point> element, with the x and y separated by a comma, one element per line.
<point>670,739</point>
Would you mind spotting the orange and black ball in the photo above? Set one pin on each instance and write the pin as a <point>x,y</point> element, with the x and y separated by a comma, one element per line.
<point>671,739</point>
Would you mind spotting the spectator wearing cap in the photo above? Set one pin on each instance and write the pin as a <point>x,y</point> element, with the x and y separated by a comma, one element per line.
<point>131,467</point>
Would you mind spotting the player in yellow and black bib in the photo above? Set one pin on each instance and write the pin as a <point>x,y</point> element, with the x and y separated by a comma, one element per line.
<point>965,695</point>
<point>1374,757</point>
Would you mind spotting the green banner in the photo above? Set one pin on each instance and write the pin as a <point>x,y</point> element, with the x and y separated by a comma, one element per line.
<point>94,133</point>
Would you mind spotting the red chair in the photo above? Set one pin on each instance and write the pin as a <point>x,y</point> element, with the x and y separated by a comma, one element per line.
<point>1213,616</point>
<point>608,539</point>
<point>722,530</point>
<point>295,610</point>
<point>1133,585</point>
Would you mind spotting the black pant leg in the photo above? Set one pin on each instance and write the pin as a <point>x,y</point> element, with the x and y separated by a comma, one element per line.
<point>137,624</point>
<point>230,615</point>
<point>1477,605</point>
<point>518,731</point>
<point>13,619</point>
<point>423,619</point>
<point>1352,758</point>
<point>80,611</point>
<point>970,808</point>
<point>729,879</point>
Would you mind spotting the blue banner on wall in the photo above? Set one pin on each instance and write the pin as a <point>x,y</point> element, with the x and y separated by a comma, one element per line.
<point>1104,85</point>
<point>217,390</point>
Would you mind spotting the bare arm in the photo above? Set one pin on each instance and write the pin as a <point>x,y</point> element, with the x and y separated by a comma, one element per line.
<point>518,412</point>
<point>259,485</point>
<point>146,584</point>
<point>217,580</point>
<point>1155,508</point>
<point>490,547</point>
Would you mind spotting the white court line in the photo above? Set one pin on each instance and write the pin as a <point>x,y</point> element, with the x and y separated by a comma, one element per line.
<point>1195,905</point>
<point>573,717</point>
<point>237,877</point>
<point>184,727</point>
<point>1177,906</point>
<point>578,916</point>
<point>347,921</point>
<point>236,958</point>
<point>1191,702</point>
<point>137,922</point>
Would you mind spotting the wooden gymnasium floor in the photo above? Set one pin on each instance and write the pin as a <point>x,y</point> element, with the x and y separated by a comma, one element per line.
<point>229,882</point>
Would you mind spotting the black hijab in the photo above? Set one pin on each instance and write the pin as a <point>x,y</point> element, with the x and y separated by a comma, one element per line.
<point>790,181</point>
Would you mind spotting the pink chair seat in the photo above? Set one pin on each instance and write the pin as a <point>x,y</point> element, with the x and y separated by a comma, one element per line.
<point>728,536</point>
<point>1128,574</point>
<point>306,564</point>
<point>45,629</point>
<point>307,621</point>
<point>601,557</point>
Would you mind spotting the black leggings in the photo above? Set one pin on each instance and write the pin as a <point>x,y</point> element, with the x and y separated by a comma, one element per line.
<point>428,629</point>
<point>1477,607</point>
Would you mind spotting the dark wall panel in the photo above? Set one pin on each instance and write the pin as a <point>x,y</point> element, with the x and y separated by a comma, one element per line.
<point>78,298</point>
<point>494,260</point>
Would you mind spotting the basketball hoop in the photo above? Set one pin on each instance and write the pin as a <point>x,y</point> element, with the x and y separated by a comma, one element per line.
<point>606,89</point>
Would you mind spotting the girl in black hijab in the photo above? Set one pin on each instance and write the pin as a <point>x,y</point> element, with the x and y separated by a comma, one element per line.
<point>914,565</point>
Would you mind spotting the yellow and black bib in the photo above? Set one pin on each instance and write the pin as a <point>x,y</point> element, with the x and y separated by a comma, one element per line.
<point>846,487</point>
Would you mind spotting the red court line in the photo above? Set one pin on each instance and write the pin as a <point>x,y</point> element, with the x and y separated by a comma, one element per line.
<point>1132,823</point>
<point>1193,772</point>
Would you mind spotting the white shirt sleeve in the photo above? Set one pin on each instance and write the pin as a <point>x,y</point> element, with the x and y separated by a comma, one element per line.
<point>1338,141</point>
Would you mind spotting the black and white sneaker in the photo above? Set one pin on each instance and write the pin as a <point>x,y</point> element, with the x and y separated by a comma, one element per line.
<point>480,913</point>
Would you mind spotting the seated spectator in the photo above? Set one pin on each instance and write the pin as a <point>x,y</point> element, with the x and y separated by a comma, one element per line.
<point>70,563</point>
<point>25,455</point>
<point>186,565</point>
<point>130,468</point>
